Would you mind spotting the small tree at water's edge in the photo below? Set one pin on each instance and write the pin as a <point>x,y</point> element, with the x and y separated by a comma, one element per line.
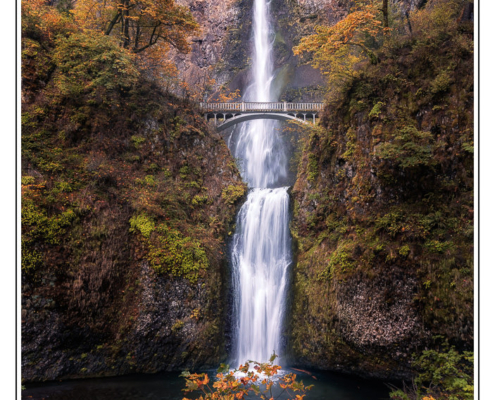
<point>228,386</point>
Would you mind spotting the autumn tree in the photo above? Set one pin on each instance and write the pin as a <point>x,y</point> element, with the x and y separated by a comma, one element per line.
<point>42,22</point>
<point>139,24</point>
<point>41,25</point>
<point>93,65</point>
<point>256,381</point>
<point>337,49</point>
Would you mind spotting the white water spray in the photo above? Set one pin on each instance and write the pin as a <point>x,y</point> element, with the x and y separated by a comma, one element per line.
<point>261,251</point>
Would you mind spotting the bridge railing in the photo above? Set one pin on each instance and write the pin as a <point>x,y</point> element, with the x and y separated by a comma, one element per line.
<point>261,107</point>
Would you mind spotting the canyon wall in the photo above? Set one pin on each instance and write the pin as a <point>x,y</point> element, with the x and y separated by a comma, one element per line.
<point>383,212</point>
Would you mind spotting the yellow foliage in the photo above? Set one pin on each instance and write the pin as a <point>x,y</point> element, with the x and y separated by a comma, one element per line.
<point>337,49</point>
<point>37,14</point>
<point>140,24</point>
<point>148,28</point>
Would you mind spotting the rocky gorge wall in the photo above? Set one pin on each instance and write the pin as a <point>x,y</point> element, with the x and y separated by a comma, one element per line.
<point>125,212</point>
<point>223,47</point>
<point>383,212</point>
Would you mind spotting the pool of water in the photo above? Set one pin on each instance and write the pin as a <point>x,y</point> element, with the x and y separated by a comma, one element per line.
<point>168,386</point>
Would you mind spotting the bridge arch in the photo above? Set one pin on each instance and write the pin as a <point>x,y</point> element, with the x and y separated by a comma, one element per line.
<point>236,119</point>
<point>227,115</point>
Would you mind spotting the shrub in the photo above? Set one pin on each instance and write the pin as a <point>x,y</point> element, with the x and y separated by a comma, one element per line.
<point>409,148</point>
<point>137,141</point>
<point>27,180</point>
<point>199,200</point>
<point>441,83</point>
<point>376,110</point>
<point>313,169</point>
<point>444,373</point>
<point>229,385</point>
<point>37,224</point>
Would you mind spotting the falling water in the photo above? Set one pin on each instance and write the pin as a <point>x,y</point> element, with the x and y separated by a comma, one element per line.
<point>261,250</point>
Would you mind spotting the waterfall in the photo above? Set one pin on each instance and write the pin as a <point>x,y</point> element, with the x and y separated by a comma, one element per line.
<point>261,247</point>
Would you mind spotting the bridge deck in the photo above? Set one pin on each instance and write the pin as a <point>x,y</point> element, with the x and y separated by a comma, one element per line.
<point>246,107</point>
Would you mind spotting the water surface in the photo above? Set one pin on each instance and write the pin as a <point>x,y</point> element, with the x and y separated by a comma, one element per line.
<point>168,386</point>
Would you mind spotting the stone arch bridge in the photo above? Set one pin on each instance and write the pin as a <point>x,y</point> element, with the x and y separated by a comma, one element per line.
<point>227,115</point>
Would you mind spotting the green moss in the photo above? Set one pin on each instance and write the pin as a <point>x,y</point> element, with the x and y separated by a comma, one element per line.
<point>177,326</point>
<point>376,110</point>
<point>153,167</point>
<point>63,187</point>
<point>391,223</point>
<point>184,172</point>
<point>38,224</point>
<point>313,168</point>
<point>340,262</point>
<point>199,200</point>
<point>193,184</point>
<point>27,180</point>
<point>149,180</point>
<point>172,253</point>
<point>409,148</point>
<point>137,141</point>
<point>232,193</point>
<point>404,250</point>
<point>143,224</point>
<point>436,246</point>
<point>441,83</point>
<point>30,259</point>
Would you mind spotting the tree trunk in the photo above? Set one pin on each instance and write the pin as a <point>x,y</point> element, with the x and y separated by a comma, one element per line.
<point>385,13</point>
<point>113,22</point>
<point>125,21</point>
<point>409,23</point>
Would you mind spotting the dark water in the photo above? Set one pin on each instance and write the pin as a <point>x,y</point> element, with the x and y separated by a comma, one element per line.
<point>167,386</point>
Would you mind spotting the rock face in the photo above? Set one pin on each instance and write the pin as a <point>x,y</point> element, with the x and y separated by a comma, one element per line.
<point>378,313</point>
<point>409,5</point>
<point>217,19</point>
<point>314,5</point>
<point>223,48</point>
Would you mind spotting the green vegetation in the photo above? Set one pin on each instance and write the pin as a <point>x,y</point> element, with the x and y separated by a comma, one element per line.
<point>313,168</point>
<point>88,147</point>
<point>92,64</point>
<point>171,252</point>
<point>444,373</point>
<point>408,148</point>
<point>233,193</point>
<point>143,224</point>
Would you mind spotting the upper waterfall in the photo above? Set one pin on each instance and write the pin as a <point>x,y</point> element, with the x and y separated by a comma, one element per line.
<point>259,148</point>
